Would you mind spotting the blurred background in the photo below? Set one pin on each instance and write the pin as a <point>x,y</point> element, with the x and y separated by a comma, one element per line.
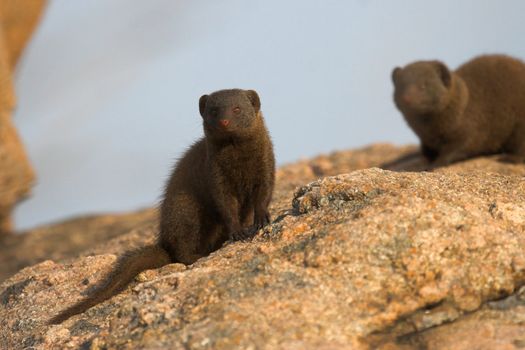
<point>108,90</point>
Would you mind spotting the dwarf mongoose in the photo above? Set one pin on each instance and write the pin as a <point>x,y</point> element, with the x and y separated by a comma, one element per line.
<point>476,110</point>
<point>219,190</point>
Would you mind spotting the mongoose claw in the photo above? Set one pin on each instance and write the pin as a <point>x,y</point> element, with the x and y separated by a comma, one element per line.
<point>261,220</point>
<point>242,235</point>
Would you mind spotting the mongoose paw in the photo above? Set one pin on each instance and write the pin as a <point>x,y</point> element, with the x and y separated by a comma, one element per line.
<point>261,220</point>
<point>242,235</point>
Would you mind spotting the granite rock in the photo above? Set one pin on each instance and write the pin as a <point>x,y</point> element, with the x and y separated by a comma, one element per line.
<point>365,259</point>
<point>17,22</point>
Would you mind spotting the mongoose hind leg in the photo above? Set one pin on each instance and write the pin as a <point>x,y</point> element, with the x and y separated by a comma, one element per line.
<point>516,146</point>
<point>520,154</point>
<point>413,161</point>
<point>186,233</point>
<point>517,157</point>
<point>452,153</point>
<point>429,153</point>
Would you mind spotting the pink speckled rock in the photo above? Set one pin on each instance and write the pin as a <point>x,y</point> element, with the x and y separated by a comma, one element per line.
<point>368,259</point>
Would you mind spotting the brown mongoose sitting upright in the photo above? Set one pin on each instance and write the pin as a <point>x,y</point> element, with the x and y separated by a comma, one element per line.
<point>478,109</point>
<point>219,190</point>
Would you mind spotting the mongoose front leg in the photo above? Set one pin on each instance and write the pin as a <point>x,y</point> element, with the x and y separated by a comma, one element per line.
<point>231,217</point>
<point>261,216</point>
<point>229,209</point>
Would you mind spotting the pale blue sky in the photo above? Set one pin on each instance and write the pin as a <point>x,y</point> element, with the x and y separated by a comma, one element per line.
<point>108,90</point>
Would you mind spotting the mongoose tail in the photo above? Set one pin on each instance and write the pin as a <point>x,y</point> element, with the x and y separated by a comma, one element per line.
<point>127,267</point>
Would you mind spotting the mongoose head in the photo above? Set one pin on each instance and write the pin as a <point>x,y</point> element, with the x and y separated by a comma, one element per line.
<point>229,112</point>
<point>422,87</point>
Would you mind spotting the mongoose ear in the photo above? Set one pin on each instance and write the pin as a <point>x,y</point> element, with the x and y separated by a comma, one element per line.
<point>395,74</point>
<point>202,104</point>
<point>254,99</point>
<point>444,73</point>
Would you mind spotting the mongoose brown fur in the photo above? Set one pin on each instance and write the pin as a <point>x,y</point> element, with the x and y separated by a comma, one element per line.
<point>220,189</point>
<point>478,109</point>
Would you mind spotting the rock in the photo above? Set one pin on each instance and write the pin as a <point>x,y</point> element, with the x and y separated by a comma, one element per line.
<point>16,175</point>
<point>73,238</point>
<point>18,23</point>
<point>82,235</point>
<point>367,259</point>
<point>492,327</point>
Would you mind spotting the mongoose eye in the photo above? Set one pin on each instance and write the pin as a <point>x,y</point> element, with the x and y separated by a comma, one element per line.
<point>236,110</point>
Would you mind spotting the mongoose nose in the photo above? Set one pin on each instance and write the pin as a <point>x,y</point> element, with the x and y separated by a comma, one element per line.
<point>406,98</point>
<point>410,95</point>
<point>224,122</point>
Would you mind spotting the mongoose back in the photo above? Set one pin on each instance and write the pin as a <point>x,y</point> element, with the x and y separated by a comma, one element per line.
<point>220,189</point>
<point>478,109</point>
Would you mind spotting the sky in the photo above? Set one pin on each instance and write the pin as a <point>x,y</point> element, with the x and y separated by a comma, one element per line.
<point>108,89</point>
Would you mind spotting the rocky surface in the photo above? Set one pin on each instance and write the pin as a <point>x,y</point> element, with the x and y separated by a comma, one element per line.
<point>68,239</point>
<point>17,22</point>
<point>365,259</point>
<point>84,235</point>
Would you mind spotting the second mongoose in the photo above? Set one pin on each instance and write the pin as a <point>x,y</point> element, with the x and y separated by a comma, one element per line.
<point>478,109</point>
<point>219,190</point>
